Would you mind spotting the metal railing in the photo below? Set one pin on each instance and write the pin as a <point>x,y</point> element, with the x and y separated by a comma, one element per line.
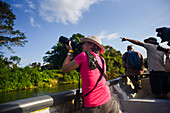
<point>37,103</point>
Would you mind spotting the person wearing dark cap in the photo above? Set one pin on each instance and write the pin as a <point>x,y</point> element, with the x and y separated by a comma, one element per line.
<point>158,76</point>
<point>99,99</point>
<point>133,62</point>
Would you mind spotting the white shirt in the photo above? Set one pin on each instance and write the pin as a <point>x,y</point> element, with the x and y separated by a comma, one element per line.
<point>155,58</point>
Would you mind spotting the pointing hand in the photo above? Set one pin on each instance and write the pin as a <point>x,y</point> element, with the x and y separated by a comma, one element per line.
<point>123,39</point>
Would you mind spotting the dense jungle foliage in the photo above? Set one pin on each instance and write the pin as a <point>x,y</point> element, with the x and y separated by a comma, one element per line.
<point>17,78</point>
<point>13,77</point>
<point>34,75</point>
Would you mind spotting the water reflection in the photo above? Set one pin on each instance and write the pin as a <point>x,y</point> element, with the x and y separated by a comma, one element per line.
<point>16,95</point>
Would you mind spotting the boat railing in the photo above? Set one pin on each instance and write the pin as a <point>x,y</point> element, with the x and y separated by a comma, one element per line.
<point>45,102</point>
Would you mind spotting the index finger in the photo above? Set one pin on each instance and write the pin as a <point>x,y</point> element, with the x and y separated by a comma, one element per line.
<point>69,43</point>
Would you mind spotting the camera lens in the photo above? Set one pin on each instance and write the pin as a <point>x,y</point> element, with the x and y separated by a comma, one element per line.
<point>64,40</point>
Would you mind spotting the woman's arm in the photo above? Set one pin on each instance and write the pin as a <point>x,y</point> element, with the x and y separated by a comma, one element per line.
<point>67,65</point>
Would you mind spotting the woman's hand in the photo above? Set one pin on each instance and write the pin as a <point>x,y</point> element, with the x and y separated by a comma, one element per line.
<point>69,47</point>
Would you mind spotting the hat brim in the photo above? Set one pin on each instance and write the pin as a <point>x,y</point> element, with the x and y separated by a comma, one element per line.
<point>90,40</point>
<point>146,40</point>
<point>152,41</point>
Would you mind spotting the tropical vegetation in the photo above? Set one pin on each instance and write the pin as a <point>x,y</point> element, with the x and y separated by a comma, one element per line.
<point>50,74</point>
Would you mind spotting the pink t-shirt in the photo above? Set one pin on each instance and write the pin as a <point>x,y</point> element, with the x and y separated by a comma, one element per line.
<point>101,94</point>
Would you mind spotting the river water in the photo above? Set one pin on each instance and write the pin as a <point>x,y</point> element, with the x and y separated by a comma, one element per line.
<point>23,94</point>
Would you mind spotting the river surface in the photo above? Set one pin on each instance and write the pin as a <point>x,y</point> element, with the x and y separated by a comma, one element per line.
<point>23,94</point>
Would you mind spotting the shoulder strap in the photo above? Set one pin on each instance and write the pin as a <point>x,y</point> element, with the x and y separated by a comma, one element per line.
<point>100,69</point>
<point>93,64</point>
<point>91,60</point>
<point>125,57</point>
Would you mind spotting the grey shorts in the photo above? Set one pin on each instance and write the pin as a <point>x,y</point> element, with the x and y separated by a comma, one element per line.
<point>110,107</point>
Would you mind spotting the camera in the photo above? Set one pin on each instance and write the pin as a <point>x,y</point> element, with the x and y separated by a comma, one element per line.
<point>74,44</point>
<point>163,33</point>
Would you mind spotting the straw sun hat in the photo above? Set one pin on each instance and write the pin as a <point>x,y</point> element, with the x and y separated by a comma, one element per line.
<point>95,40</point>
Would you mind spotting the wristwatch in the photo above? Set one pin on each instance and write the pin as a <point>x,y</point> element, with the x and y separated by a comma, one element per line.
<point>69,53</point>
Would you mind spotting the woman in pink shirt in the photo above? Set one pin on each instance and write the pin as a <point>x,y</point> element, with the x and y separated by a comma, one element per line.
<point>99,100</point>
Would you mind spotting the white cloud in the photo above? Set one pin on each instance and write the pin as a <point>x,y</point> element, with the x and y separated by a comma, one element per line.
<point>24,62</point>
<point>33,24</point>
<point>29,11</point>
<point>30,4</point>
<point>64,11</point>
<point>17,5</point>
<point>112,36</point>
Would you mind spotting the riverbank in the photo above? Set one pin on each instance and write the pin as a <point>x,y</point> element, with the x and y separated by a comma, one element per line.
<point>23,94</point>
<point>15,79</point>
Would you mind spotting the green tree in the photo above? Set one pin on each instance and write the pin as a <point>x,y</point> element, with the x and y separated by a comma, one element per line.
<point>113,60</point>
<point>8,36</point>
<point>5,60</point>
<point>36,65</point>
<point>15,59</point>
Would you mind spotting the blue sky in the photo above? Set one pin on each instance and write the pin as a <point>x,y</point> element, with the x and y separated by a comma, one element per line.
<point>44,21</point>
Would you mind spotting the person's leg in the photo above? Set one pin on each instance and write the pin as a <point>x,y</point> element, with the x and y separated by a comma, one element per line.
<point>169,77</point>
<point>156,84</point>
<point>137,82</point>
<point>166,85</point>
<point>134,81</point>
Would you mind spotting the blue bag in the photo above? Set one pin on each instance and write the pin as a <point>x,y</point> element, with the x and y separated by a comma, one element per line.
<point>133,60</point>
